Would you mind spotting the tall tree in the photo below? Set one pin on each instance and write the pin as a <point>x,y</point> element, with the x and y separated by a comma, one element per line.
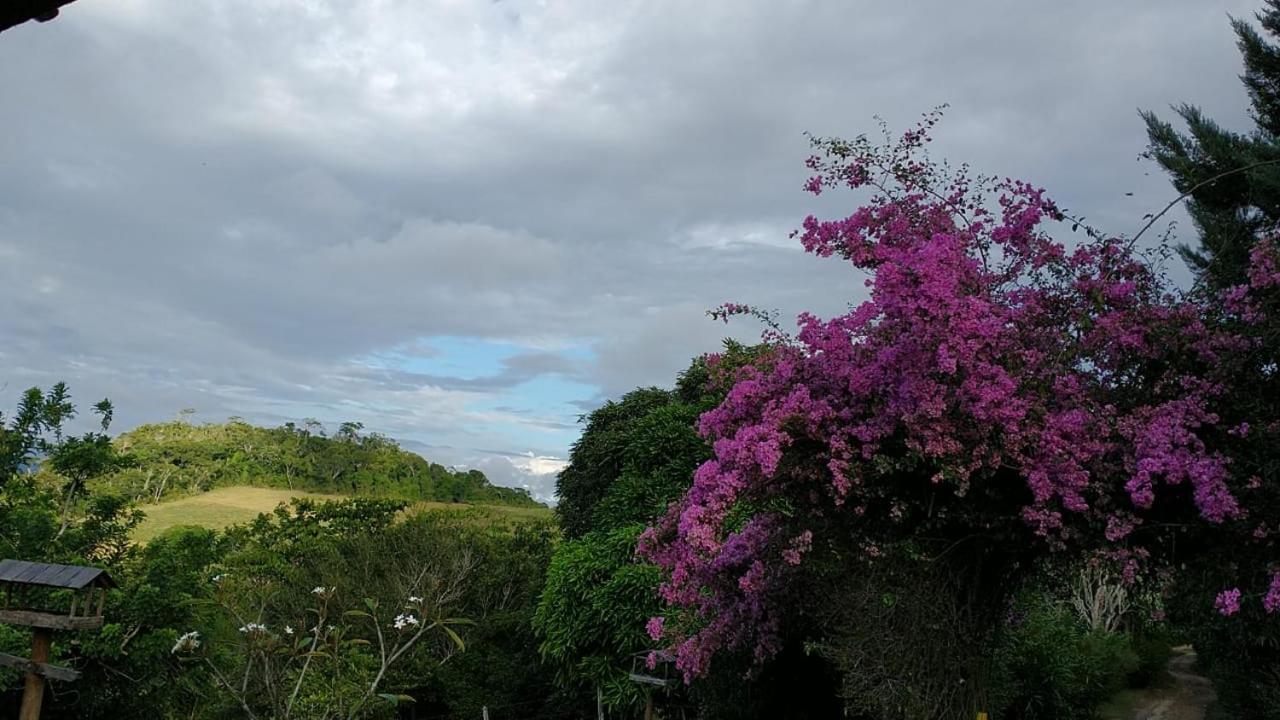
<point>1232,179</point>
<point>1233,182</point>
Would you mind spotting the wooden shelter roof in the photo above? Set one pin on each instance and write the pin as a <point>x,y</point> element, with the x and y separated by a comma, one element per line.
<point>16,12</point>
<point>74,577</point>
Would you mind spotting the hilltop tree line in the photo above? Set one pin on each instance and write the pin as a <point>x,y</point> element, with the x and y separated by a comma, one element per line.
<point>180,457</point>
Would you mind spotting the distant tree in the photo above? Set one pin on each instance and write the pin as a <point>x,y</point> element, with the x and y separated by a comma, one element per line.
<point>350,431</point>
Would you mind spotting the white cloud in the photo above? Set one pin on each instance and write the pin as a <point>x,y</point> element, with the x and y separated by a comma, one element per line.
<point>539,464</point>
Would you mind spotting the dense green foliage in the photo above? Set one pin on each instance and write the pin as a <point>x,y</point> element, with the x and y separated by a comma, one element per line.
<point>634,457</point>
<point>177,457</point>
<point>1048,666</point>
<point>598,457</point>
<point>346,609</point>
<point>371,583</point>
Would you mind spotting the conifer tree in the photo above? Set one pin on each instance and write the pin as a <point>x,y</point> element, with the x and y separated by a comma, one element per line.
<point>1232,178</point>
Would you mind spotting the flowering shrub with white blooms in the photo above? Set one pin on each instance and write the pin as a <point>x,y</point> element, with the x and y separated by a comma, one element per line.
<point>405,620</point>
<point>253,628</point>
<point>187,643</point>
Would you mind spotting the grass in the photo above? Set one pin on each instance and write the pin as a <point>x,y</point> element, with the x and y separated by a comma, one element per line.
<point>1124,706</point>
<point>222,507</point>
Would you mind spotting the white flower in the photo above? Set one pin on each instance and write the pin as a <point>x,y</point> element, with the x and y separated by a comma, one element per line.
<point>187,643</point>
<point>253,628</point>
<point>317,590</point>
<point>217,578</point>
<point>405,620</point>
<point>414,599</point>
<point>288,630</point>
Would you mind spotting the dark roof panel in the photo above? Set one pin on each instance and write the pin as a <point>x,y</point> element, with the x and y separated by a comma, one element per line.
<point>74,577</point>
<point>16,12</point>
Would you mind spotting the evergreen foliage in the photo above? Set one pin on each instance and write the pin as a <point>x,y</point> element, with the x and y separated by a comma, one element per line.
<point>1233,178</point>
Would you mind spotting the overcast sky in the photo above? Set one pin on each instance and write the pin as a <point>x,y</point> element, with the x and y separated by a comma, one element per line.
<point>463,222</point>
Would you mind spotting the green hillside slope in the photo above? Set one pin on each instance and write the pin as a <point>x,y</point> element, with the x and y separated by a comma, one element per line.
<point>178,458</point>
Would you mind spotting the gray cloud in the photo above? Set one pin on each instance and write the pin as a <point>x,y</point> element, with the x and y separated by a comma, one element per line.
<point>233,205</point>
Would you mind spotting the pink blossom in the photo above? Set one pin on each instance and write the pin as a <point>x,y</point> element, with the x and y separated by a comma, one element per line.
<point>655,627</point>
<point>1271,603</point>
<point>1228,602</point>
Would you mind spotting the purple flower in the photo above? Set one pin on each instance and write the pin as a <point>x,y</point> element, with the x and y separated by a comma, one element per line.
<point>1271,603</point>
<point>655,627</point>
<point>1228,602</point>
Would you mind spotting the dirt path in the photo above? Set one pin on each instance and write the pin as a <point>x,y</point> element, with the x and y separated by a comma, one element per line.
<point>1185,697</point>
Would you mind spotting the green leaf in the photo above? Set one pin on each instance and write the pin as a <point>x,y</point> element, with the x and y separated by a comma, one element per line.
<point>396,699</point>
<point>457,639</point>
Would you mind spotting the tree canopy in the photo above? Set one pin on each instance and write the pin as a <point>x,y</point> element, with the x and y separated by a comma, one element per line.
<point>181,457</point>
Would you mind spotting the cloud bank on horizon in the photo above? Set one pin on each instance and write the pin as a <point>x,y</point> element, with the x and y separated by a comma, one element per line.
<point>463,223</point>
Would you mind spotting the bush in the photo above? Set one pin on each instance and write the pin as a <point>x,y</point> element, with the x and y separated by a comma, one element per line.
<point>1240,653</point>
<point>1153,647</point>
<point>1047,666</point>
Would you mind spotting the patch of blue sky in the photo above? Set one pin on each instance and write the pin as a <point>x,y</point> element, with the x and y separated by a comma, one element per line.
<point>466,358</point>
<point>540,413</point>
<point>542,410</point>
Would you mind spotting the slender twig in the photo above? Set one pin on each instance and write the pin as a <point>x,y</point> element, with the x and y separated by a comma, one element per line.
<point>315,639</point>
<point>227,685</point>
<point>1194,188</point>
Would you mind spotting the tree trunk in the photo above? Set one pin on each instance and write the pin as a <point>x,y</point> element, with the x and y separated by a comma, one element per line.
<point>67,504</point>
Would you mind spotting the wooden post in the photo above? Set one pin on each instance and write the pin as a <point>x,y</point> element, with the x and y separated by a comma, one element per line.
<point>599,703</point>
<point>33,692</point>
<point>648,706</point>
<point>485,711</point>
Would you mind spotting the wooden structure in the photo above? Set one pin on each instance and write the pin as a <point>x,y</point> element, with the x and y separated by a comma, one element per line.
<point>658,676</point>
<point>82,590</point>
<point>16,12</point>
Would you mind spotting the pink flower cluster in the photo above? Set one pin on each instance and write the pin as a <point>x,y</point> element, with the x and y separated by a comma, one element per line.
<point>986,347</point>
<point>1228,602</point>
<point>1271,603</point>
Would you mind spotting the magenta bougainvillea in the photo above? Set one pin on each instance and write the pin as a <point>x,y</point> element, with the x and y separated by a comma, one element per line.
<point>1228,602</point>
<point>986,350</point>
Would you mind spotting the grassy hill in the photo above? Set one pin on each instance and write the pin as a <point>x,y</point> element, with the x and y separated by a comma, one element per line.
<point>226,506</point>
<point>177,459</point>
